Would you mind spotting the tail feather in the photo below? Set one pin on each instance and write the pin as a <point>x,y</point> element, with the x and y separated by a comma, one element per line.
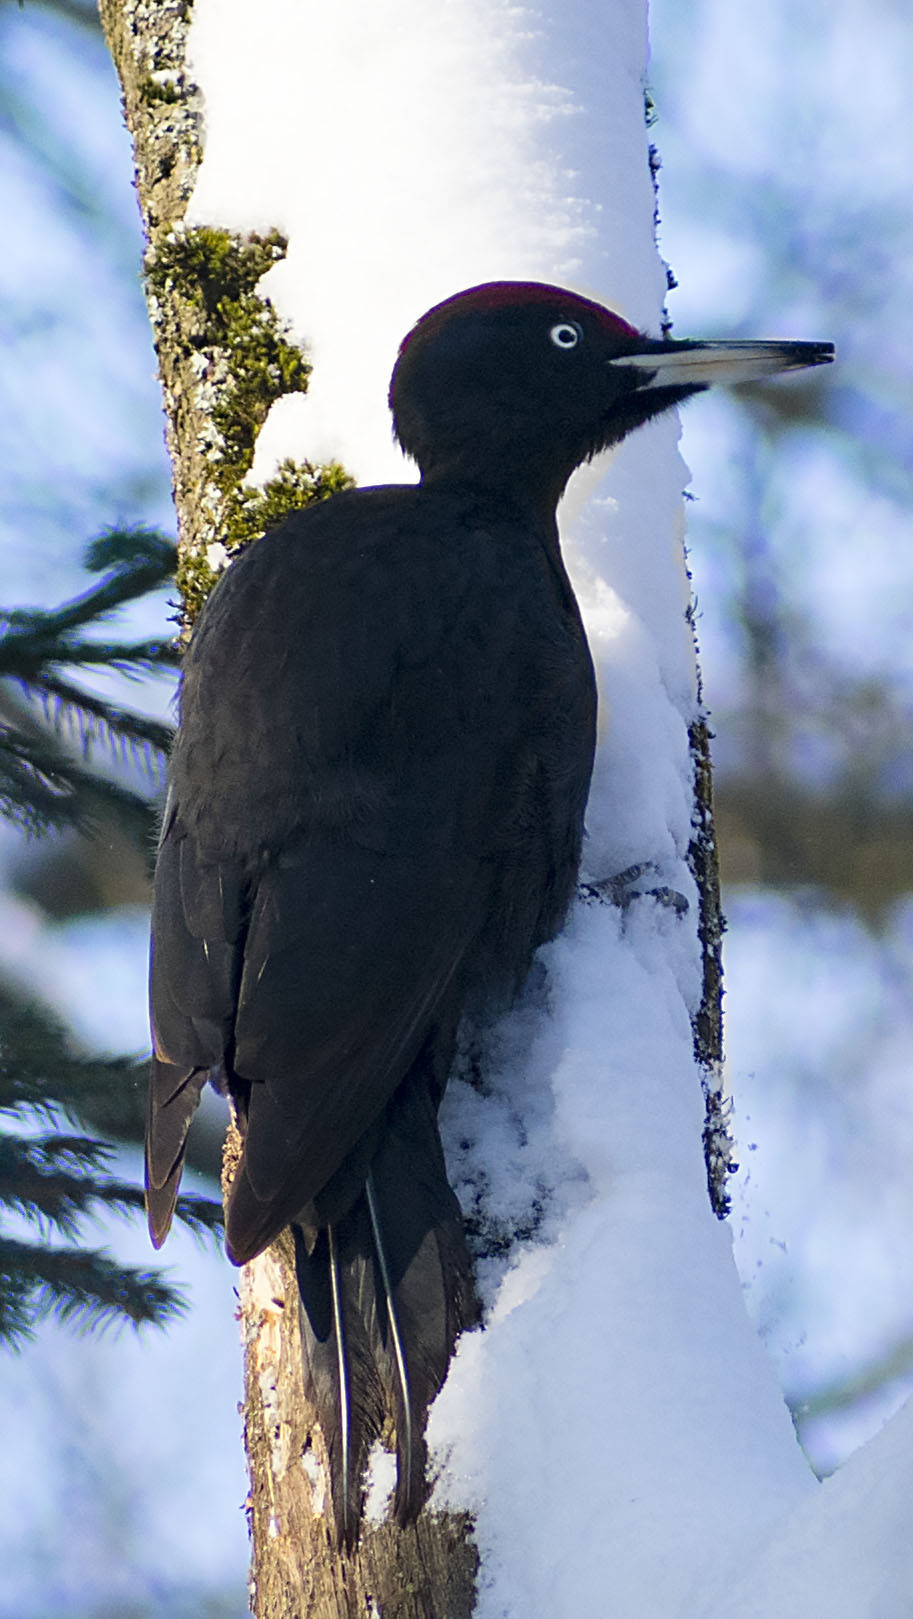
<point>426,1303</point>
<point>339,1363</point>
<point>385,1290</point>
<point>343,1388</point>
<point>173,1098</point>
<point>410,1466</point>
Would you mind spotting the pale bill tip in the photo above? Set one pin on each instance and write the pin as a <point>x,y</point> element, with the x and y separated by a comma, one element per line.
<point>741,361</point>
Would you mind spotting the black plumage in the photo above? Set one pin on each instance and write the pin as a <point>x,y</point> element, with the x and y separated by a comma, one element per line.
<point>375,815</point>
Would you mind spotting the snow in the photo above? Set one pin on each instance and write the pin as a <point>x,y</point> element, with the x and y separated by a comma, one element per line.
<point>445,153</point>
<point>843,1552</point>
<point>618,1398</point>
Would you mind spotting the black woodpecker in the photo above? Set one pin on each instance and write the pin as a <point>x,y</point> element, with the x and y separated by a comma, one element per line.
<point>375,813</point>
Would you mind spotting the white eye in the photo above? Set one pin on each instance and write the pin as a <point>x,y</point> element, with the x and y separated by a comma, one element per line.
<point>566,335</point>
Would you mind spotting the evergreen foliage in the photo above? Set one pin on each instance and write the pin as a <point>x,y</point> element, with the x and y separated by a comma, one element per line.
<point>41,785</point>
<point>52,1176</point>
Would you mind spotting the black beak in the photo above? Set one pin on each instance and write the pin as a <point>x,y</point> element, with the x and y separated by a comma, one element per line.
<point>674,364</point>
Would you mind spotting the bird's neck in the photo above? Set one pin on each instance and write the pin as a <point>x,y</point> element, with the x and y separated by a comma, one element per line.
<point>523,493</point>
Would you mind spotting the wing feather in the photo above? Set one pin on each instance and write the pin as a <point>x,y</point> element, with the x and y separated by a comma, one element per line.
<point>350,958</point>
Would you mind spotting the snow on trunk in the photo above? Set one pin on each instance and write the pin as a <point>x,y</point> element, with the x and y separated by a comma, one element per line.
<point>615,1430</point>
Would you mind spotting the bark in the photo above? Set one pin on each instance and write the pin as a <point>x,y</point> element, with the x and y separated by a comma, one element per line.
<point>707,1023</point>
<point>223,358</point>
<point>424,1572</point>
<point>147,41</point>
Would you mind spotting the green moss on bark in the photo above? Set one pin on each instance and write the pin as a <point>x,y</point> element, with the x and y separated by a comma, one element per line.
<point>253,510</point>
<point>217,273</point>
<point>239,358</point>
<point>296,484</point>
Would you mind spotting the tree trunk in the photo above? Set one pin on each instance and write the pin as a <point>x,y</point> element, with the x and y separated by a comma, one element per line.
<point>223,359</point>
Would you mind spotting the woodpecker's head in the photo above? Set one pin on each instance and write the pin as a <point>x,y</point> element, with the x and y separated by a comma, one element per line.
<point>516,383</point>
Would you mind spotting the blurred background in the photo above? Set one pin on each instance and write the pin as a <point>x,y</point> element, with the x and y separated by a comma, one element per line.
<point>787,146</point>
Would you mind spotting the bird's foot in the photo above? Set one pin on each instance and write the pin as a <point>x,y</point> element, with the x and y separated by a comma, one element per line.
<point>622,889</point>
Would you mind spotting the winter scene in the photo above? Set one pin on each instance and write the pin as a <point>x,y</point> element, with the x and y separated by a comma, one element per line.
<point>458,599</point>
